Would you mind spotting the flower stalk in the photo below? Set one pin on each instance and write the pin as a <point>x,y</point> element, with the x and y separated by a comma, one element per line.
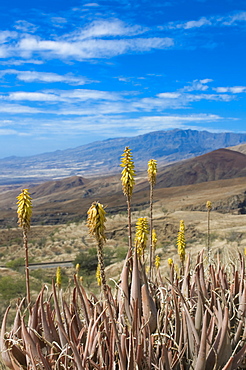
<point>142,231</point>
<point>128,182</point>
<point>58,278</point>
<point>96,223</point>
<point>181,243</point>
<point>24,212</point>
<point>209,208</point>
<point>152,171</point>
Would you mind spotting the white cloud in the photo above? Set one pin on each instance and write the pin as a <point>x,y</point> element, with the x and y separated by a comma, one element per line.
<point>3,52</point>
<point>196,24</point>
<point>16,109</point>
<point>99,39</point>
<point>5,132</point>
<point>112,125</point>
<point>48,77</point>
<point>198,85</point>
<point>18,62</point>
<point>5,122</point>
<point>33,96</point>
<point>24,26</point>
<point>172,120</point>
<point>214,21</point>
<point>5,36</point>
<point>233,90</point>
<point>177,100</point>
<point>91,48</point>
<point>92,5</point>
<point>85,94</point>
<point>169,95</point>
<point>58,21</point>
<point>234,18</point>
<point>106,102</point>
<point>104,28</point>
<point>71,96</point>
<point>206,80</point>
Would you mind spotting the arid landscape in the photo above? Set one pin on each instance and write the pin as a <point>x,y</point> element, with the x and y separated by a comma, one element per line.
<point>59,232</point>
<point>123,185</point>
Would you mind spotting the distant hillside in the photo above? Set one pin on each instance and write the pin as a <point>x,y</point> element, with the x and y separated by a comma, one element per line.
<point>217,165</point>
<point>239,148</point>
<point>103,157</point>
<point>68,199</point>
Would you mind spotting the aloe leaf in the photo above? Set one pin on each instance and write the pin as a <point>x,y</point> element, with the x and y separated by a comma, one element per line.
<point>135,296</point>
<point>149,308</point>
<point>84,301</point>
<point>201,358</point>
<point>61,329</point>
<point>4,350</point>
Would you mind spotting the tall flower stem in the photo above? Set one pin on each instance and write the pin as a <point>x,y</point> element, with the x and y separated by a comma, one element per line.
<point>128,182</point>
<point>151,254</point>
<point>152,171</point>
<point>24,212</point>
<point>129,217</point>
<point>209,208</point>
<point>96,224</point>
<point>181,244</point>
<point>25,245</point>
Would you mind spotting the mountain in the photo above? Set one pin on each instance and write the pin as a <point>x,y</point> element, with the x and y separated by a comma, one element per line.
<point>239,148</point>
<point>68,199</point>
<point>103,157</point>
<point>217,165</point>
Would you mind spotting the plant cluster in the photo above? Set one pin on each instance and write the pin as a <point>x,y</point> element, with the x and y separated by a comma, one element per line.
<point>194,319</point>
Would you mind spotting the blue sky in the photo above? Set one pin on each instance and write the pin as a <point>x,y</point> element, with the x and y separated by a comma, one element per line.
<point>73,72</point>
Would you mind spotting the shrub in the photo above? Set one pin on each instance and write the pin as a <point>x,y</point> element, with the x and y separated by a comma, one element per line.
<point>88,261</point>
<point>12,287</point>
<point>16,264</point>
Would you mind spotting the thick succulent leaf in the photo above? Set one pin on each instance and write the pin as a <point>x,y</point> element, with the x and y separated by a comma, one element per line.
<point>4,349</point>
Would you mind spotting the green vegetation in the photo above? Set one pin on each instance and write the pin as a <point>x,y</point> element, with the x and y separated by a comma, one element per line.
<point>11,287</point>
<point>16,264</point>
<point>88,261</point>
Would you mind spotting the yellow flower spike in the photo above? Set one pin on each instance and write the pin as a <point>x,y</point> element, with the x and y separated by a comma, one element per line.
<point>142,231</point>
<point>58,277</point>
<point>154,239</point>
<point>98,275</point>
<point>170,261</point>
<point>96,220</point>
<point>157,261</point>
<point>209,205</point>
<point>181,241</point>
<point>152,171</point>
<point>77,268</point>
<point>24,209</point>
<point>128,172</point>
<point>182,226</point>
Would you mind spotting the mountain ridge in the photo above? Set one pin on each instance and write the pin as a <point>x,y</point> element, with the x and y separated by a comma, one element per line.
<point>100,157</point>
<point>66,199</point>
